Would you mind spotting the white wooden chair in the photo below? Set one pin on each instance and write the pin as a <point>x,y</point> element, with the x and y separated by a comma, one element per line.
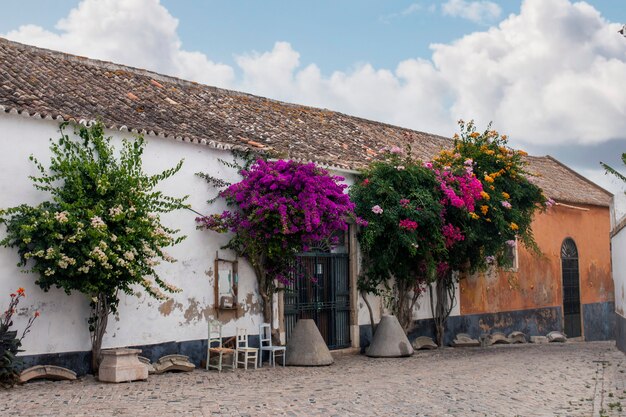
<point>265,341</point>
<point>248,353</point>
<point>215,348</point>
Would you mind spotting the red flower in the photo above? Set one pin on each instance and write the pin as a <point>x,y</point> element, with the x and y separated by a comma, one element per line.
<point>37,314</point>
<point>12,295</point>
<point>366,181</point>
<point>20,291</point>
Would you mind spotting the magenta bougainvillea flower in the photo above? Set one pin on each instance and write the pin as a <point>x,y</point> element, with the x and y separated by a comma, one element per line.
<point>283,207</point>
<point>408,224</point>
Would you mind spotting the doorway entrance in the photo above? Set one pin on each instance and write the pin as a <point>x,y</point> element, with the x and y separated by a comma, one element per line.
<point>320,291</point>
<point>571,289</point>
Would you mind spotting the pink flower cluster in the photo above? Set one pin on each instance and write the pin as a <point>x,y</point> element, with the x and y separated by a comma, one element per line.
<point>460,191</point>
<point>408,224</point>
<point>452,234</point>
<point>404,202</point>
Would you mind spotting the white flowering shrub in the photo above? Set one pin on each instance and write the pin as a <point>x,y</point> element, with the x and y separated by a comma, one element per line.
<point>100,233</point>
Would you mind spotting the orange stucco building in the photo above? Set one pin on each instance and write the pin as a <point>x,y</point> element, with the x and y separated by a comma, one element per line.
<point>568,285</point>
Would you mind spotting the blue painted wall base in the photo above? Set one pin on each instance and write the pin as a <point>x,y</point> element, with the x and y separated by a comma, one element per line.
<point>531,322</point>
<point>599,321</point>
<point>80,362</point>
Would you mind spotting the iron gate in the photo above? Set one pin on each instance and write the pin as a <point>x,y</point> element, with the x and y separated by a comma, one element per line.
<point>320,290</point>
<point>571,289</point>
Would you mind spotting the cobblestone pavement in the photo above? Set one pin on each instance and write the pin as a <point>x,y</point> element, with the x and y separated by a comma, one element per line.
<point>572,379</point>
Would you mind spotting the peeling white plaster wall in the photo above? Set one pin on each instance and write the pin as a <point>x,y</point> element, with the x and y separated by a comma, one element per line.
<point>62,326</point>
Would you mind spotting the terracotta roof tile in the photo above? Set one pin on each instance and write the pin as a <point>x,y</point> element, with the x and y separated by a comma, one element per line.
<point>54,84</point>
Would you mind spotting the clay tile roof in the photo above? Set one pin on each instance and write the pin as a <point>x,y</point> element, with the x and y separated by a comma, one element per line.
<point>564,184</point>
<point>49,84</point>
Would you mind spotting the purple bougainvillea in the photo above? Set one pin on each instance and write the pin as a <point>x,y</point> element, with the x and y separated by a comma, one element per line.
<point>281,208</point>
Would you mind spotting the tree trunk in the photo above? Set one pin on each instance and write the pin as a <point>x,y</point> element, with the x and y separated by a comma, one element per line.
<point>441,304</point>
<point>369,308</point>
<point>100,311</point>
<point>403,308</point>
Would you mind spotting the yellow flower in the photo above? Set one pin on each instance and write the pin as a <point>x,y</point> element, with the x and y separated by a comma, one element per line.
<point>456,136</point>
<point>523,153</point>
<point>488,220</point>
<point>484,210</point>
<point>505,195</point>
<point>491,187</point>
<point>514,226</point>
<point>504,137</point>
<point>474,135</point>
<point>474,215</point>
<point>490,152</point>
<point>485,195</point>
<point>488,178</point>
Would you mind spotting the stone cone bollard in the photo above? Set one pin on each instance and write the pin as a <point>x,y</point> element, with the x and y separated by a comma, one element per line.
<point>389,341</point>
<point>306,346</point>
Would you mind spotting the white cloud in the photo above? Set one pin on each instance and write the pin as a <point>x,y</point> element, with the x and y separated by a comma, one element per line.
<point>407,11</point>
<point>140,33</point>
<point>554,73</point>
<point>476,11</point>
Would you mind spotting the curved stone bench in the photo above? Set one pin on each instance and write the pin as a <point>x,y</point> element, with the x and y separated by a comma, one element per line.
<point>52,372</point>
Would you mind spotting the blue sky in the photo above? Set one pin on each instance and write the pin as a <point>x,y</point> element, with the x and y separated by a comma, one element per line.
<point>335,34</point>
<point>550,73</point>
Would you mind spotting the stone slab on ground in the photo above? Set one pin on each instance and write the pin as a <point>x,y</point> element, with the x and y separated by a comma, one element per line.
<point>173,363</point>
<point>539,339</point>
<point>556,336</point>
<point>517,337</point>
<point>424,342</point>
<point>51,372</point>
<point>464,340</point>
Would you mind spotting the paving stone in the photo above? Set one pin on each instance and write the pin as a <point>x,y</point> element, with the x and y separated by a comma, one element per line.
<point>504,380</point>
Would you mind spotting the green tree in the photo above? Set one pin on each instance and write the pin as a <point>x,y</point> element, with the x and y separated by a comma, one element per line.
<point>100,233</point>
<point>403,240</point>
<point>614,171</point>
<point>501,217</point>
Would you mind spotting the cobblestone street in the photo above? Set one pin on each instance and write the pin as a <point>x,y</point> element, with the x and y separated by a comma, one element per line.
<point>572,379</point>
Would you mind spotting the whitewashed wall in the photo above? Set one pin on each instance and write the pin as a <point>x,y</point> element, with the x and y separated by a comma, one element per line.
<point>142,320</point>
<point>618,250</point>
<point>420,311</point>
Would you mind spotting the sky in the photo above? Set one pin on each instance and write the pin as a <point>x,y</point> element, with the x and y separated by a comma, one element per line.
<point>551,74</point>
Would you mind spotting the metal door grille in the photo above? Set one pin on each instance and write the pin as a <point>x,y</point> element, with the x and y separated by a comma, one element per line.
<point>320,290</point>
<point>571,289</point>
